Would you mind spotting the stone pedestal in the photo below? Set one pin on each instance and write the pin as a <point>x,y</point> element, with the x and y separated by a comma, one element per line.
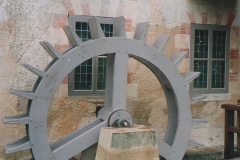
<point>136,143</point>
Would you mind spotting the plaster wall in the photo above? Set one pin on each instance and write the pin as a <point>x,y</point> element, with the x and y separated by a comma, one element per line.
<point>23,24</point>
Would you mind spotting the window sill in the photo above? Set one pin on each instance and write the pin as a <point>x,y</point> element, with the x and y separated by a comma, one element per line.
<point>217,97</point>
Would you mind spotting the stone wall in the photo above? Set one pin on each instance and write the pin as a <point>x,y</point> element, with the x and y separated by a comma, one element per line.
<point>23,24</point>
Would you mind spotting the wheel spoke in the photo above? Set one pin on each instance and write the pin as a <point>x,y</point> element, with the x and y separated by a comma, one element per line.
<point>78,140</point>
<point>164,149</point>
<point>116,80</point>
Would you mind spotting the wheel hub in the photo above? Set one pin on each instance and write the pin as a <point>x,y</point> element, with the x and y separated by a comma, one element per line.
<point>120,119</point>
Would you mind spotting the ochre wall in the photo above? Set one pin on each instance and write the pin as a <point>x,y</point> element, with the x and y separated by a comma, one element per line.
<point>23,24</point>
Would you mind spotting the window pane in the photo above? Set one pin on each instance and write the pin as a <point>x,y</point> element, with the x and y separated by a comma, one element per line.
<point>101,76</point>
<point>82,30</point>
<point>83,73</point>
<point>218,74</point>
<point>83,76</point>
<point>107,29</point>
<point>201,66</point>
<point>201,44</point>
<point>219,38</point>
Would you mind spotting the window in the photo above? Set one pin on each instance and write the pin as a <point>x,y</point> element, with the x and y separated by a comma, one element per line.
<point>88,79</point>
<point>209,48</point>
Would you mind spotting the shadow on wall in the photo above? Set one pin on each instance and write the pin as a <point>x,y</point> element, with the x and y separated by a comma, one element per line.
<point>211,156</point>
<point>218,5</point>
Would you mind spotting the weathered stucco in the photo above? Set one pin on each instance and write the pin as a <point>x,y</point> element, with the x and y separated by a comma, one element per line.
<point>23,24</point>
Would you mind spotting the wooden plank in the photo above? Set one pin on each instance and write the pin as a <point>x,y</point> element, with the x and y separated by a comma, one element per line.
<point>230,107</point>
<point>233,129</point>
<point>229,136</point>
<point>238,126</point>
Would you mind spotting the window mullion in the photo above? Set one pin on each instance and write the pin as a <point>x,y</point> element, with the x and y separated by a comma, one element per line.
<point>94,75</point>
<point>191,55</point>
<point>227,53</point>
<point>210,43</point>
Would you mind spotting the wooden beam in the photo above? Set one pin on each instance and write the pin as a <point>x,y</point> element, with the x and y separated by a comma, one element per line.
<point>233,129</point>
<point>232,107</point>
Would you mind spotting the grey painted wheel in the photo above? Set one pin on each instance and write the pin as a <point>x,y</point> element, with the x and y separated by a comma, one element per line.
<point>174,85</point>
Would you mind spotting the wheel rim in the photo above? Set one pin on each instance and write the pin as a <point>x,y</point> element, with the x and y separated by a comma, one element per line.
<point>173,84</point>
<point>160,66</point>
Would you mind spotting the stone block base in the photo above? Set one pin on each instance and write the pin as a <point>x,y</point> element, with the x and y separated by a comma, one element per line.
<point>136,143</point>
